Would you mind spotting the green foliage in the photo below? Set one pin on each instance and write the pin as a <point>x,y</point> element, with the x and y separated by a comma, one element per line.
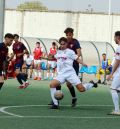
<point>35,5</point>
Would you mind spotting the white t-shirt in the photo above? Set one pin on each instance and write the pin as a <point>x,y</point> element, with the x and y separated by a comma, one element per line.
<point>65,60</point>
<point>28,60</point>
<point>117,57</point>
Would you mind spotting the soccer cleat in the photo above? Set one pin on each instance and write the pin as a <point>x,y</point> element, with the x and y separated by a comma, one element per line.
<point>35,78</point>
<point>38,78</point>
<point>54,107</point>
<point>116,113</point>
<point>21,87</point>
<point>26,85</point>
<point>95,85</point>
<point>74,102</point>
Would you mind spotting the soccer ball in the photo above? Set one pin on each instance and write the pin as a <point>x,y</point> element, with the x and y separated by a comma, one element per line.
<point>58,95</point>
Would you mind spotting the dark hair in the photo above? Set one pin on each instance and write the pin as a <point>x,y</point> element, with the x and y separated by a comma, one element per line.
<point>68,30</point>
<point>117,33</point>
<point>37,42</point>
<point>9,35</point>
<point>16,35</point>
<point>53,43</point>
<point>63,39</point>
<point>103,54</point>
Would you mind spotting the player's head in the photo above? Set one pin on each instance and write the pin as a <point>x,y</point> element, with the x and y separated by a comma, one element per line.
<point>53,45</point>
<point>27,53</point>
<point>69,33</point>
<point>16,37</point>
<point>63,43</point>
<point>104,56</point>
<point>8,39</point>
<point>37,44</point>
<point>117,37</point>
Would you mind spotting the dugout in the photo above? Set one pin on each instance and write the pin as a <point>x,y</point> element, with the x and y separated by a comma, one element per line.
<point>91,51</point>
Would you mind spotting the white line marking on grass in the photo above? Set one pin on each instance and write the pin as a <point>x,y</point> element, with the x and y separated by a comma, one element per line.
<point>61,117</point>
<point>2,109</point>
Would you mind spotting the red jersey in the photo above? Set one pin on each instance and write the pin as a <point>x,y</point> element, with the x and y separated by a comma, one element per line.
<point>52,51</point>
<point>37,53</point>
<point>17,49</point>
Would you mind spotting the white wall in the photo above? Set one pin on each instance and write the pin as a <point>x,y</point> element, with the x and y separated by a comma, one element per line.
<point>88,27</point>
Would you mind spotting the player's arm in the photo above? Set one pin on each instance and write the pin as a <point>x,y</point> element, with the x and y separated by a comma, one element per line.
<point>80,61</point>
<point>116,64</point>
<point>78,49</point>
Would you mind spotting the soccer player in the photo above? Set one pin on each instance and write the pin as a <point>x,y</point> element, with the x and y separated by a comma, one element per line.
<point>51,64</point>
<point>105,69</point>
<point>3,56</point>
<point>74,45</point>
<point>66,72</point>
<point>38,52</point>
<point>19,50</point>
<point>115,86</point>
<point>28,63</point>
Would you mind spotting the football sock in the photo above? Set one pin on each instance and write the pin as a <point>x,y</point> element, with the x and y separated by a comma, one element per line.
<point>1,84</point>
<point>52,91</point>
<point>72,91</point>
<point>58,87</point>
<point>88,86</point>
<point>115,99</point>
<point>19,78</point>
<point>23,77</point>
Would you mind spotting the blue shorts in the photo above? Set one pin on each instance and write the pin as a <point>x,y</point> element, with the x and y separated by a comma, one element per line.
<point>28,66</point>
<point>18,66</point>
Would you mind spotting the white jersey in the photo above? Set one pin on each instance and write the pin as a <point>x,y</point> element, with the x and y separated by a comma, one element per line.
<point>117,57</point>
<point>28,60</point>
<point>65,60</point>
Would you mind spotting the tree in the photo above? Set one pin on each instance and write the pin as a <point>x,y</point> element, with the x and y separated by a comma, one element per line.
<point>35,5</point>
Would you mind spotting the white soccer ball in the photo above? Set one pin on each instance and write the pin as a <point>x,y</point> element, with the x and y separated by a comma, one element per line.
<point>58,95</point>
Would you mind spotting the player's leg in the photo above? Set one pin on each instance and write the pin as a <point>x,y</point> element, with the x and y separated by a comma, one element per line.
<point>35,70</point>
<point>71,88</point>
<point>74,80</point>
<point>21,77</point>
<point>48,71</point>
<point>1,80</point>
<point>39,70</point>
<point>115,95</point>
<point>53,85</point>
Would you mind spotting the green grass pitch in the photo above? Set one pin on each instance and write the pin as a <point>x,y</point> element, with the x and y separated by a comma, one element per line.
<point>28,109</point>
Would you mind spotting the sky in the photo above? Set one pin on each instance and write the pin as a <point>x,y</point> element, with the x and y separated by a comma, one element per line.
<point>73,5</point>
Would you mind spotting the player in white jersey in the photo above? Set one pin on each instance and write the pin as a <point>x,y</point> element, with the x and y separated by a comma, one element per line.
<point>66,72</point>
<point>28,64</point>
<point>115,87</point>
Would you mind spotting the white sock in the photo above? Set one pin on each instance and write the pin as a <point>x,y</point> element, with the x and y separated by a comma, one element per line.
<point>88,86</point>
<point>28,73</point>
<point>39,72</point>
<point>115,99</point>
<point>47,74</point>
<point>35,73</point>
<point>52,91</point>
<point>52,75</point>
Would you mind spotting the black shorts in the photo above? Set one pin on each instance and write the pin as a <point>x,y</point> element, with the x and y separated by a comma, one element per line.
<point>76,67</point>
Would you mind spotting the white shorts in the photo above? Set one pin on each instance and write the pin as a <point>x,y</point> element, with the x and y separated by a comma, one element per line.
<point>70,77</point>
<point>115,83</point>
<point>37,62</point>
<point>52,64</point>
